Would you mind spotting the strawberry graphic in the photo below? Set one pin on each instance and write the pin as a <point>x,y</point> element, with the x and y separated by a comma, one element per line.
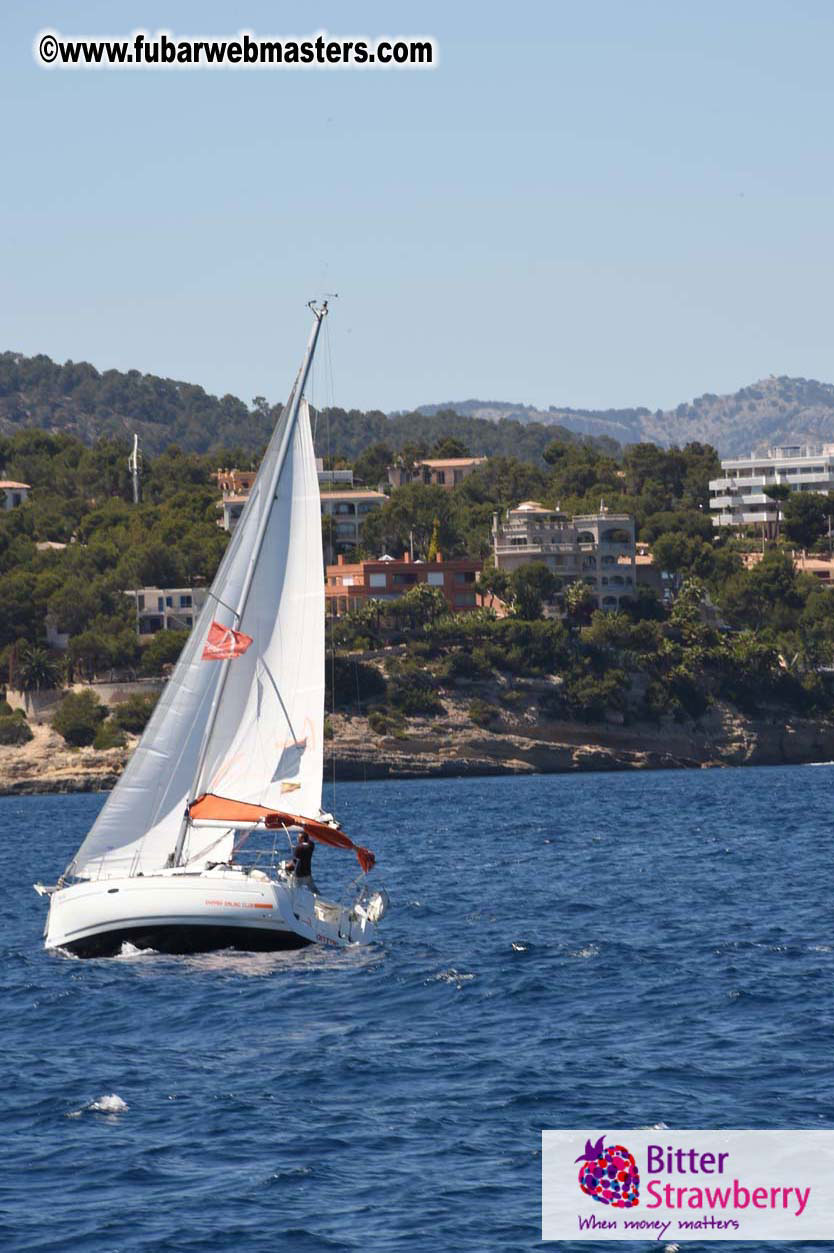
<point>609,1175</point>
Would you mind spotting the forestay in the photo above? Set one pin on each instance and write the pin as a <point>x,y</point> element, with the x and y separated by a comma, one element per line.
<point>265,717</point>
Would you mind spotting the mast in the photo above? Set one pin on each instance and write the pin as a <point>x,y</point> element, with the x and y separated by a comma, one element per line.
<point>319,314</point>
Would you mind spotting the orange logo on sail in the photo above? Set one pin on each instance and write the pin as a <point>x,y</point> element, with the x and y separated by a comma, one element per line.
<point>222,643</point>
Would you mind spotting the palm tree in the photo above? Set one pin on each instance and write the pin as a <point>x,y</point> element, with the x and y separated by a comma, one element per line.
<point>36,668</point>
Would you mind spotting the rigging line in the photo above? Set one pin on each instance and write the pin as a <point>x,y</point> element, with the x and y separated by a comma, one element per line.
<point>271,678</point>
<point>214,596</point>
<point>359,711</point>
<point>329,361</point>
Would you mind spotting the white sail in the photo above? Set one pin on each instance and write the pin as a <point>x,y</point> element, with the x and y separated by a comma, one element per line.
<point>249,728</point>
<point>266,745</point>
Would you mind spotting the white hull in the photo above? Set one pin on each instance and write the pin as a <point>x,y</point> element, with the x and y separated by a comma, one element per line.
<point>176,912</point>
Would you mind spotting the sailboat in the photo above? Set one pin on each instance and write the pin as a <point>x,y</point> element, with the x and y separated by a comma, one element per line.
<point>232,751</point>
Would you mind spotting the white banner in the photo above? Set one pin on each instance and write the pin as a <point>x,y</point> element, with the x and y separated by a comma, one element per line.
<point>687,1185</point>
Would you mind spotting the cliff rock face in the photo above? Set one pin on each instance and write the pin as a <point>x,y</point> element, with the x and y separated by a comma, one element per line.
<point>438,747</point>
<point>47,764</point>
<point>518,743</point>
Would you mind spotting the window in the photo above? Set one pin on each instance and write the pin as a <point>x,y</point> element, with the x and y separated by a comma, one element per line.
<point>140,602</point>
<point>435,578</point>
<point>160,603</point>
<point>377,580</point>
<point>169,602</point>
<point>185,602</point>
<point>465,598</point>
<point>188,619</point>
<point>441,478</point>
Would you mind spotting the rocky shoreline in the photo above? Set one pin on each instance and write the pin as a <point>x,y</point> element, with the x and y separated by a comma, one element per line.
<point>452,746</point>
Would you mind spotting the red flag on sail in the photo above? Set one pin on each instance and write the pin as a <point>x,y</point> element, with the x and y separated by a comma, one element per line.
<point>222,643</point>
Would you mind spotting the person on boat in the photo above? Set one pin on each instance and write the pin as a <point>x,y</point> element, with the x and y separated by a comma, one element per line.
<point>301,865</point>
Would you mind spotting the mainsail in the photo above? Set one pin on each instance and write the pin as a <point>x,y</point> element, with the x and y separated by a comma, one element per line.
<point>248,727</point>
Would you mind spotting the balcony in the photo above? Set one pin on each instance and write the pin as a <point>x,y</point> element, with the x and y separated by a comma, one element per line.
<point>531,549</point>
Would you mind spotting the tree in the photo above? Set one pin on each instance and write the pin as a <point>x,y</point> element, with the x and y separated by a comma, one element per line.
<point>494,583</point>
<point>134,713</point>
<point>431,555</point>
<point>411,511</point>
<point>328,533</point>
<point>532,586</point>
<point>448,448</point>
<point>422,604</point>
<point>90,653</point>
<point>805,519</point>
<point>75,604</point>
<point>778,492</point>
<point>675,552</point>
<point>36,669</point>
<point>77,718</point>
<point>162,651</point>
<point>579,601</point>
<point>770,593</point>
<point>371,466</point>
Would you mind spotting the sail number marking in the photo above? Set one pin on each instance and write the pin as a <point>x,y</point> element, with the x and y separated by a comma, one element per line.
<point>240,904</point>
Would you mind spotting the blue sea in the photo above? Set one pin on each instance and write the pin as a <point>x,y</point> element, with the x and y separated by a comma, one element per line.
<point>605,950</point>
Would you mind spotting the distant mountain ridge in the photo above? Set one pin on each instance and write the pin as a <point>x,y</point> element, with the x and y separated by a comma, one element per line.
<point>77,398</point>
<point>772,411</point>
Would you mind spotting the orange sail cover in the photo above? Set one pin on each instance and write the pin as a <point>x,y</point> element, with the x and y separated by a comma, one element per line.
<point>219,809</point>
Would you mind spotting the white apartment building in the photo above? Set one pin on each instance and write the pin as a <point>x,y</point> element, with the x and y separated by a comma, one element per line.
<point>738,498</point>
<point>349,509</point>
<point>348,506</point>
<point>598,548</point>
<point>166,608</point>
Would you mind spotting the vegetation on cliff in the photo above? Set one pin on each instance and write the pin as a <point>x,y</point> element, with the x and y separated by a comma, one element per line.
<point>758,637</point>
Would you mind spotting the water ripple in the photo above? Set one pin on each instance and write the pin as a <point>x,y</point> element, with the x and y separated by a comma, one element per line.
<point>603,950</point>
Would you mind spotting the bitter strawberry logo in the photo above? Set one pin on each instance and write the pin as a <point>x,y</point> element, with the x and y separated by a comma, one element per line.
<point>609,1175</point>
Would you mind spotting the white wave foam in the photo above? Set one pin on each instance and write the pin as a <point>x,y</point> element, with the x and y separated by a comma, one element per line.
<point>109,1103</point>
<point>129,951</point>
<point>451,976</point>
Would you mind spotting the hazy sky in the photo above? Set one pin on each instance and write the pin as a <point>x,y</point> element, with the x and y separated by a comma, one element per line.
<point>592,204</point>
